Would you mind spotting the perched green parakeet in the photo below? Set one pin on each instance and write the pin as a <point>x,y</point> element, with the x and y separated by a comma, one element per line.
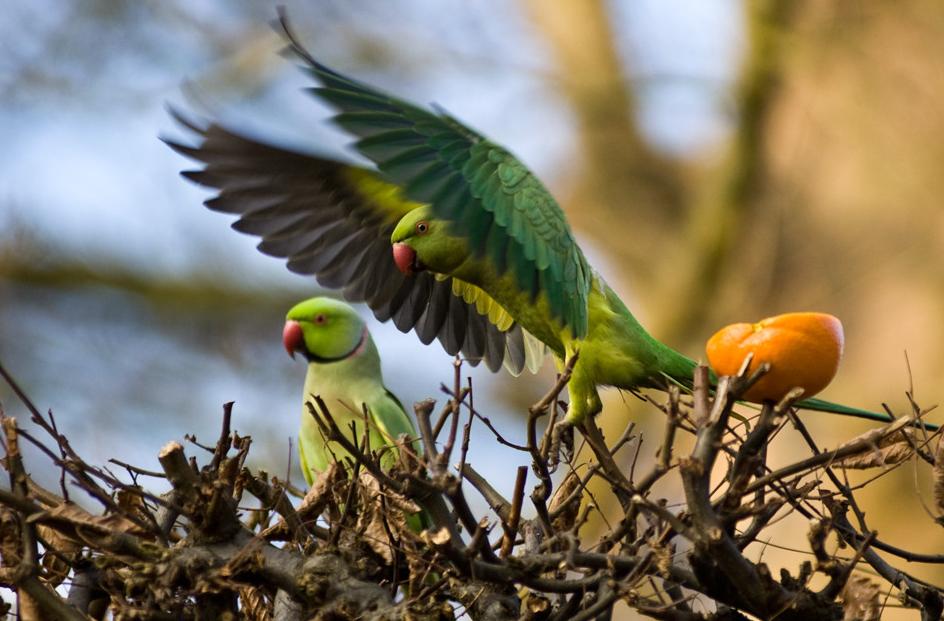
<point>483,257</point>
<point>344,370</point>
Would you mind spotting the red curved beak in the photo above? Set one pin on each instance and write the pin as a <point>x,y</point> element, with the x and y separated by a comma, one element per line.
<point>404,257</point>
<point>292,337</point>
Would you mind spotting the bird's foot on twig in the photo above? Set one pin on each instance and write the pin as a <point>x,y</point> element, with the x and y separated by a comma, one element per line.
<point>562,444</point>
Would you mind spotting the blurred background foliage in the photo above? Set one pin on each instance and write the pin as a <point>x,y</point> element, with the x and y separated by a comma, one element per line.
<point>720,160</point>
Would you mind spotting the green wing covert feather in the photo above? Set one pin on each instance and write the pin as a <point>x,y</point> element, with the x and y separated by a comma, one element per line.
<point>303,461</point>
<point>489,196</point>
<point>391,418</point>
<point>334,220</point>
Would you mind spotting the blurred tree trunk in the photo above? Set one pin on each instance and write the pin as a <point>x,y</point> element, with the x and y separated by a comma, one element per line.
<point>618,172</point>
<point>722,204</point>
<point>683,228</point>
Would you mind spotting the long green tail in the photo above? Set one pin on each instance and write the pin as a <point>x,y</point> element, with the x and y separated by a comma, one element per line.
<point>821,405</point>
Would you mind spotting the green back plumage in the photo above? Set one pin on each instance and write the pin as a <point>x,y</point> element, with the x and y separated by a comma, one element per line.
<point>487,195</point>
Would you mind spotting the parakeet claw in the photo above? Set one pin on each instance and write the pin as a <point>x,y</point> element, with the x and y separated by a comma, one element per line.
<point>562,442</point>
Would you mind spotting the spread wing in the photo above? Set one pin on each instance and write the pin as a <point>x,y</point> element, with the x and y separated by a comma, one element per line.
<point>334,221</point>
<point>489,196</point>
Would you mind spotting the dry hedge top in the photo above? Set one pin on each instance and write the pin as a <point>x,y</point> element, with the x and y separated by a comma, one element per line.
<point>227,542</point>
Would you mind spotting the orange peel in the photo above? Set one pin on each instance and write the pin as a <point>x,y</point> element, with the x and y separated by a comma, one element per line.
<point>803,349</point>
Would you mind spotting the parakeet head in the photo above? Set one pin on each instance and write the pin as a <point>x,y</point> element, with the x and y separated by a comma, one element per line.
<point>421,241</point>
<point>324,330</point>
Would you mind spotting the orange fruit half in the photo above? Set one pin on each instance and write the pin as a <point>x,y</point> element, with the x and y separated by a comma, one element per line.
<point>803,350</point>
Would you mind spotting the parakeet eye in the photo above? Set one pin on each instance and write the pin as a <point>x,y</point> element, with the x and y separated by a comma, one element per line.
<point>320,319</point>
<point>422,227</point>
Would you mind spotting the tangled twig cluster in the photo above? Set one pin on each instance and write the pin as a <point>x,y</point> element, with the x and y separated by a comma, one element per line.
<point>227,542</point>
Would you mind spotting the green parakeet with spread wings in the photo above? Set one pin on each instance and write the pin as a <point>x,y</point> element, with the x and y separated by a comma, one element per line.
<point>482,258</point>
<point>344,370</point>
